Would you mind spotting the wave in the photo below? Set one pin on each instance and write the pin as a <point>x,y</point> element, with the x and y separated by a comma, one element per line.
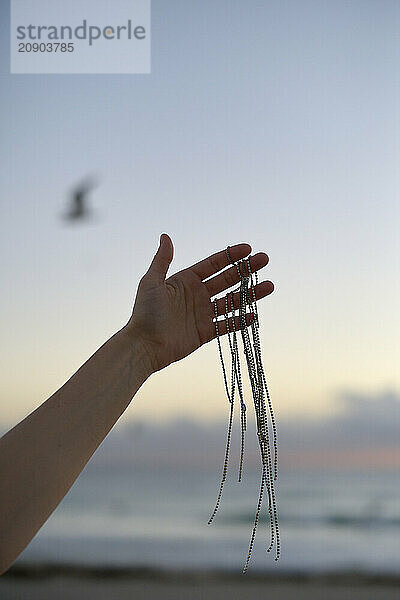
<point>333,520</point>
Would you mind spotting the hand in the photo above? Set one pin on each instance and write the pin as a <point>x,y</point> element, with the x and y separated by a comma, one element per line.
<point>173,317</point>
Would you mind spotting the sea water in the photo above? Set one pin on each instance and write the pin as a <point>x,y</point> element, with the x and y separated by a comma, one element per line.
<point>155,516</point>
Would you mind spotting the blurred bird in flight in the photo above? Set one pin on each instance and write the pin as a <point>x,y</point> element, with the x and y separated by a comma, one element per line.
<point>79,210</point>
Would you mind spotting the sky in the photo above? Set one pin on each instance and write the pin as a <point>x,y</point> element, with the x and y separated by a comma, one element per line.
<point>274,123</point>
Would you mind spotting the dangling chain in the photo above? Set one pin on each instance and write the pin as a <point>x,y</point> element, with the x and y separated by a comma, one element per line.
<point>252,352</point>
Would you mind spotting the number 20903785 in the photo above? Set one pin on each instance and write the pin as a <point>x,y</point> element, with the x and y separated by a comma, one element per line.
<point>46,47</point>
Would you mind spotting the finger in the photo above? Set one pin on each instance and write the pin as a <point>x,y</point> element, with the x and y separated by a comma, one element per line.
<point>162,259</point>
<point>219,260</point>
<point>222,328</point>
<point>230,276</point>
<point>262,289</point>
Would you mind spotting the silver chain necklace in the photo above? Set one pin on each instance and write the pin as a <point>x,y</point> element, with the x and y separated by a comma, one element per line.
<point>262,401</point>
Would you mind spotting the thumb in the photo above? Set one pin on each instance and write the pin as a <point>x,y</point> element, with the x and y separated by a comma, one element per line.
<point>162,259</point>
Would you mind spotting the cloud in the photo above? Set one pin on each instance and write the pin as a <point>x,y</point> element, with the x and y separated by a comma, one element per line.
<point>363,421</point>
<point>365,432</point>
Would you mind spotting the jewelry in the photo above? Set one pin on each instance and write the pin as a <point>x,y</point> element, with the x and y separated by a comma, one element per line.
<point>265,418</point>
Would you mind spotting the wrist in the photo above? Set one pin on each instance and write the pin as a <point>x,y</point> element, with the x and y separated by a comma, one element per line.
<point>140,354</point>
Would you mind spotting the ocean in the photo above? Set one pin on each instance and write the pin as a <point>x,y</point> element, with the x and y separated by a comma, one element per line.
<point>153,516</point>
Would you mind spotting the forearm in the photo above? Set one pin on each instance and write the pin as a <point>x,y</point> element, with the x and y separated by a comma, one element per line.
<point>41,457</point>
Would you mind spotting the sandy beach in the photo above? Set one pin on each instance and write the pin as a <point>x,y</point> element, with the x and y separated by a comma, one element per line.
<point>123,585</point>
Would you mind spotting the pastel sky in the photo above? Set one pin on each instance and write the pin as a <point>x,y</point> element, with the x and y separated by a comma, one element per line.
<point>275,123</point>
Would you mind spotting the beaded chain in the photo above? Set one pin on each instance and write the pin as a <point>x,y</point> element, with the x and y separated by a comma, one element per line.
<point>261,397</point>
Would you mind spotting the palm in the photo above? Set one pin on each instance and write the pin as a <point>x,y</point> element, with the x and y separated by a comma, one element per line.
<point>174,317</point>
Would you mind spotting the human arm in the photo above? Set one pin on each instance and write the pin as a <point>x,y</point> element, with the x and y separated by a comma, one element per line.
<point>41,457</point>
